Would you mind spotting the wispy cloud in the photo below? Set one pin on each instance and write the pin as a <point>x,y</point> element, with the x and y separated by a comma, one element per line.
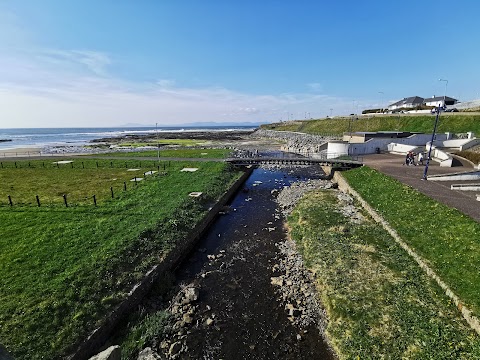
<point>93,61</point>
<point>51,87</point>
<point>315,86</point>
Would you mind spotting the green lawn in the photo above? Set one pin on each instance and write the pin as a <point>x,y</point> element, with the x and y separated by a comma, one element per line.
<point>62,269</point>
<point>379,303</point>
<point>458,123</point>
<point>178,153</point>
<point>79,180</point>
<point>447,239</point>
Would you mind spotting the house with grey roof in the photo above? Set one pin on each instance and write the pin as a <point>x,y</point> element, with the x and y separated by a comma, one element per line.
<point>437,101</point>
<point>407,103</point>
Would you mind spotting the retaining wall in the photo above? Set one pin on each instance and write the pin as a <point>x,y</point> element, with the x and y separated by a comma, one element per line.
<point>183,247</point>
<point>296,142</point>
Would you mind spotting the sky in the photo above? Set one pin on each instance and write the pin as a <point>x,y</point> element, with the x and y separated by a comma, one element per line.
<point>116,62</point>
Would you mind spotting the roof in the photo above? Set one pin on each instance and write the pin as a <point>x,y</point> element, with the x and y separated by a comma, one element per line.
<point>410,100</point>
<point>440,98</point>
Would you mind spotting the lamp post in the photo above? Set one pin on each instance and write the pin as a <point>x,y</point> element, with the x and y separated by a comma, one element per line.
<point>158,143</point>
<point>437,110</point>
<point>445,93</point>
<point>381,102</point>
<point>331,110</point>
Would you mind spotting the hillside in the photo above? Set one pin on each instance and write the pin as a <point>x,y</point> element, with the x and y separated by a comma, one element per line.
<point>453,122</point>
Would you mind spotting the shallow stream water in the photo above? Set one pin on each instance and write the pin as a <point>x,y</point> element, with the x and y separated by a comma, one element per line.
<point>238,313</point>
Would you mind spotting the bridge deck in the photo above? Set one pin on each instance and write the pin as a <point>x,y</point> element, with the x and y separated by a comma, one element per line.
<point>294,161</point>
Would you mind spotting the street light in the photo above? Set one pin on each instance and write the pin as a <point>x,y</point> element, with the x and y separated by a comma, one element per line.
<point>437,110</point>
<point>381,104</point>
<point>331,110</point>
<point>445,93</point>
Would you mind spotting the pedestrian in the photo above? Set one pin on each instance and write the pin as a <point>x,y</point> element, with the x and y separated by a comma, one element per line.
<point>420,158</point>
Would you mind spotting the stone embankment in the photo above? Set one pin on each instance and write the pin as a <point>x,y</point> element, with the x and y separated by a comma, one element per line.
<point>298,143</point>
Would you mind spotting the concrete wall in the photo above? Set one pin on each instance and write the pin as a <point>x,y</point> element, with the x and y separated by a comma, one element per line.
<point>403,148</point>
<point>336,149</point>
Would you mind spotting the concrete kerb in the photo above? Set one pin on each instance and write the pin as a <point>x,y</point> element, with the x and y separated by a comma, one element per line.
<point>472,320</point>
<point>100,335</point>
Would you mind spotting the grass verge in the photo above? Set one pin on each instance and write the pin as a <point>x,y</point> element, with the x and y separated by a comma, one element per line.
<point>447,239</point>
<point>380,304</point>
<point>62,269</point>
<point>178,153</point>
<point>461,123</point>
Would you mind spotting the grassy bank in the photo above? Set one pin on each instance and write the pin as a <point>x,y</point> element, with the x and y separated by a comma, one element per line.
<point>446,238</point>
<point>380,304</point>
<point>456,123</point>
<point>62,269</point>
<point>178,153</point>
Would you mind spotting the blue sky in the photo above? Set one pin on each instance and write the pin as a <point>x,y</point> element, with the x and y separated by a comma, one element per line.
<point>108,63</point>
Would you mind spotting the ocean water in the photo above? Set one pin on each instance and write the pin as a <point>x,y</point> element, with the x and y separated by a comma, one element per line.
<point>38,137</point>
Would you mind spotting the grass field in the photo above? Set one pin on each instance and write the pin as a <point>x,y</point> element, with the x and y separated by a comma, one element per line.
<point>62,269</point>
<point>178,153</point>
<point>180,142</point>
<point>79,180</point>
<point>379,303</point>
<point>458,123</point>
<point>446,238</point>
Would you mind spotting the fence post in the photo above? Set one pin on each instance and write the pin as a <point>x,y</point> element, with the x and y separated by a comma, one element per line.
<point>94,200</point>
<point>1,164</point>
<point>10,200</point>
<point>83,165</point>
<point>96,163</point>
<point>124,186</point>
<point>72,164</point>
<point>135,180</point>
<point>111,190</point>
<point>15,164</point>
<point>65,200</point>
<point>38,200</point>
<point>111,164</point>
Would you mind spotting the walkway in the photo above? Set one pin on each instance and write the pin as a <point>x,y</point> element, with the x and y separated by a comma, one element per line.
<point>392,165</point>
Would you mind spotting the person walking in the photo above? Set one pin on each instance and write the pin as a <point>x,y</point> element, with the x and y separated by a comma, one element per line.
<point>420,158</point>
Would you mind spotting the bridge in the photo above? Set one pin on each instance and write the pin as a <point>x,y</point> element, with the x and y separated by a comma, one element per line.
<point>334,163</point>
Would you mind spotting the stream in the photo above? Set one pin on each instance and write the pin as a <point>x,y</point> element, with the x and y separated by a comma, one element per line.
<point>225,303</point>
<point>226,306</point>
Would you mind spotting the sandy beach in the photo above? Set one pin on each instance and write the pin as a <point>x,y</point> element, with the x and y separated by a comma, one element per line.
<point>20,152</point>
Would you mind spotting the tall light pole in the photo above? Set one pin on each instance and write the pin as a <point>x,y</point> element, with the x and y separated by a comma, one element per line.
<point>381,102</point>
<point>437,110</point>
<point>158,143</point>
<point>331,110</point>
<point>445,93</point>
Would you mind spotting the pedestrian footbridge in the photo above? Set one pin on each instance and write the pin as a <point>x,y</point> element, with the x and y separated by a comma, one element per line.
<point>295,161</point>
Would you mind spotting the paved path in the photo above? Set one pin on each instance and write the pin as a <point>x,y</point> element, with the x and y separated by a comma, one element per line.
<point>392,165</point>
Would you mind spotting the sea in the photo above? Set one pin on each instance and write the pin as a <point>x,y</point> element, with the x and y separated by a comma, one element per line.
<point>40,137</point>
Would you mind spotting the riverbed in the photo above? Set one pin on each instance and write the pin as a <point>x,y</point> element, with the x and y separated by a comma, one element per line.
<point>228,301</point>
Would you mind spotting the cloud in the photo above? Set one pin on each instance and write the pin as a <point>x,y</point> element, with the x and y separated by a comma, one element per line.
<point>165,83</point>
<point>63,88</point>
<point>93,61</point>
<point>315,87</point>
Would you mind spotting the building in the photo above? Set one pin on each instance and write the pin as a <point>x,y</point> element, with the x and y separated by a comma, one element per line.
<point>437,101</point>
<point>407,103</point>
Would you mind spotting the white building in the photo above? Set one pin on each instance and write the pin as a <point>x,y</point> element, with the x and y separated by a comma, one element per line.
<point>437,101</point>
